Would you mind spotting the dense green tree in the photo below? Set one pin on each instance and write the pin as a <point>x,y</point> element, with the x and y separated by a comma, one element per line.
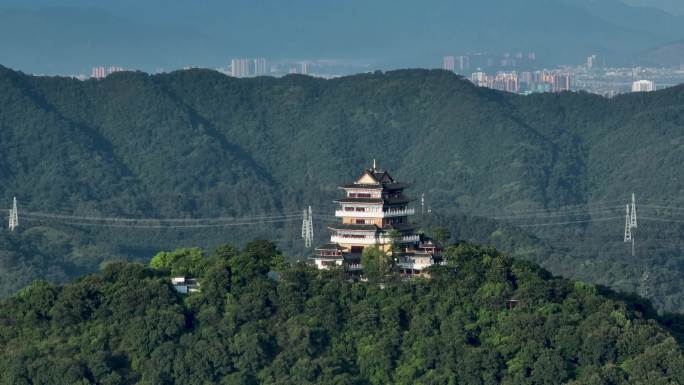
<point>377,264</point>
<point>126,325</point>
<point>183,262</point>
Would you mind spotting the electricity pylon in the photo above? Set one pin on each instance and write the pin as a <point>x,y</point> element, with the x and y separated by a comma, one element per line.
<point>307,228</point>
<point>628,229</point>
<point>14,216</point>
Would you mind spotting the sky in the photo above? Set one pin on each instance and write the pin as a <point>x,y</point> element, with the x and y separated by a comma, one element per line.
<point>71,36</point>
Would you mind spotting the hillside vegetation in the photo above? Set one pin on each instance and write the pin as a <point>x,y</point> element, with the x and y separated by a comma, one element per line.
<point>197,144</point>
<point>127,325</point>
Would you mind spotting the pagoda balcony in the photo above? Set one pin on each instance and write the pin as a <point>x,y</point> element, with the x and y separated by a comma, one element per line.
<point>371,240</point>
<point>374,213</point>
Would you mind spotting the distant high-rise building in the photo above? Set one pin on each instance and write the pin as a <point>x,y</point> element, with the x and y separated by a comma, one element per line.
<point>463,63</point>
<point>304,68</point>
<point>591,61</point>
<point>506,81</point>
<point>526,77</point>
<point>479,78</point>
<point>260,68</point>
<point>113,69</point>
<point>239,68</point>
<point>98,73</point>
<point>448,63</point>
<point>561,82</point>
<point>643,86</point>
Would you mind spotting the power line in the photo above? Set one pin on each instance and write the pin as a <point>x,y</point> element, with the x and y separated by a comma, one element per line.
<point>122,219</point>
<point>597,204</point>
<point>551,215</point>
<point>569,222</point>
<point>170,226</point>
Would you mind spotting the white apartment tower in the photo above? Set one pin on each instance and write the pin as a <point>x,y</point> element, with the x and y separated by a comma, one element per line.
<point>643,86</point>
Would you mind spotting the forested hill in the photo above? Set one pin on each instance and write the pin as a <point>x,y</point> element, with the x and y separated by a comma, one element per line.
<point>200,144</point>
<point>127,325</point>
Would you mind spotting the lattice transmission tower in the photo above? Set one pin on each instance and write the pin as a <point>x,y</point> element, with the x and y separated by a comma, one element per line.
<point>14,215</point>
<point>631,222</point>
<point>307,228</point>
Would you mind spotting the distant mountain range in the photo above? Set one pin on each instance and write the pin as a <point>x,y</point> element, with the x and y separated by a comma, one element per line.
<point>198,144</point>
<point>675,7</point>
<point>38,37</point>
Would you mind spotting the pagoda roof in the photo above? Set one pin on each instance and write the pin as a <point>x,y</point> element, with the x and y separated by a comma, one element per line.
<point>398,226</point>
<point>330,246</point>
<point>351,226</point>
<point>374,176</point>
<point>377,201</point>
<point>376,186</point>
<point>398,200</point>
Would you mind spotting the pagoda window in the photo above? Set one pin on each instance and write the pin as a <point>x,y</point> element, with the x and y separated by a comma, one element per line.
<point>362,209</point>
<point>360,221</point>
<point>363,195</point>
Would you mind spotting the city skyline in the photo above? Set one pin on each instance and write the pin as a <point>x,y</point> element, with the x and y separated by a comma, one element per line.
<point>72,36</point>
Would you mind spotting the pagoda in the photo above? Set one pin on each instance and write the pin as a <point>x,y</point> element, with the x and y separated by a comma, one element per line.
<point>374,212</point>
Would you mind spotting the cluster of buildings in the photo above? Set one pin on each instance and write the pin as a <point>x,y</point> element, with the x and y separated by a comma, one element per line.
<point>463,64</point>
<point>643,86</point>
<point>242,68</point>
<point>250,67</point>
<point>524,82</point>
<point>102,72</point>
<point>517,73</point>
<point>374,212</point>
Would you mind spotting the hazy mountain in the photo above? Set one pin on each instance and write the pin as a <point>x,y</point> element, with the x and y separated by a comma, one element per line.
<point>69,40</point>
<point>153,34</point>
<point>671,55</point>
<point>675,7</point>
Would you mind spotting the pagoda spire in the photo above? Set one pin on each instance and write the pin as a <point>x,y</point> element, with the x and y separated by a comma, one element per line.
<point>374,167</point>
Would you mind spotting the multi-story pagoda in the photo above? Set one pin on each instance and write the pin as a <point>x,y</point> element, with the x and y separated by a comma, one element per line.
<point>374,213</point>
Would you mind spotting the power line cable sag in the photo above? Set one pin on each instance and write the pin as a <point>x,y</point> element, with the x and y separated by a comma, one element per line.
<point>569,222</point>
<point>122,219</point>
<point>559,214</point>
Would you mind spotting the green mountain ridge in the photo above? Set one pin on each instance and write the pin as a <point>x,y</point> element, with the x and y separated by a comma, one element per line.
<point>198,144</point>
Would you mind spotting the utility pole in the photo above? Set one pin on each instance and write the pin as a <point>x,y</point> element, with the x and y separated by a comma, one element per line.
<point>14,216</point>
<point>633,217</point>
<point>311,234</point>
